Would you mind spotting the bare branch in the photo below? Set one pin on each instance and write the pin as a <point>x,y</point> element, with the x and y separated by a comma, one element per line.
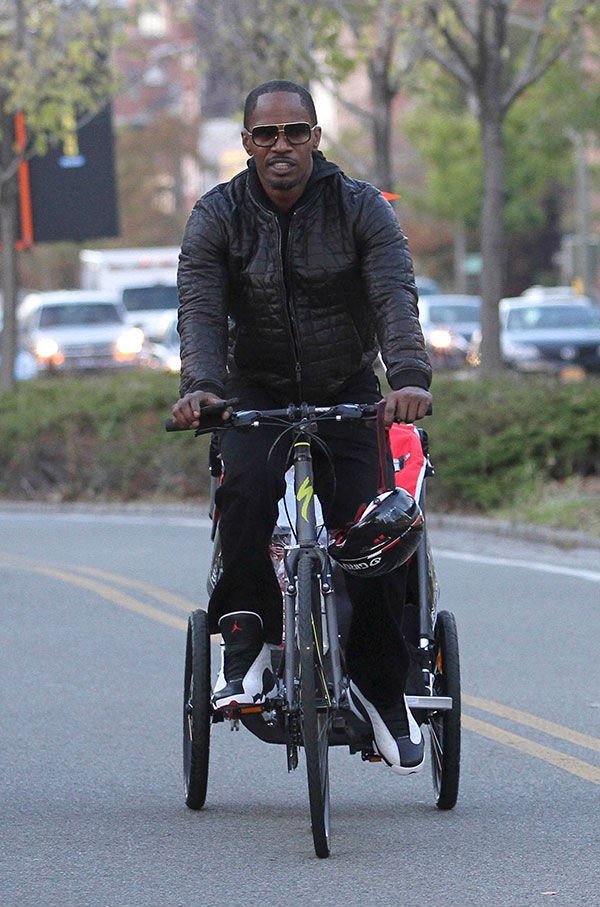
<point>365,116</point>
<point>357,163</point>
<point>458,52</point>
<point>461,14</point>
<point>465,77</point>
<point>530,72</point>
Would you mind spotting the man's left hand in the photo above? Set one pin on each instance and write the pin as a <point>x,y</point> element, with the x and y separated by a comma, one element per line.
<point>406,405</point>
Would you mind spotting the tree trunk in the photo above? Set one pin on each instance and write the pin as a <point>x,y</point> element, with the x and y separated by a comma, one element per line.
<point>381,101</point>
<point>8,235</point>
<point>492,240</point>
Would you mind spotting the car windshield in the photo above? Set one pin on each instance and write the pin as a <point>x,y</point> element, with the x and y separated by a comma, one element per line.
<point>79,313</point>
<point>454,314</point>
<point>150,299</point>
<point>531,318</point>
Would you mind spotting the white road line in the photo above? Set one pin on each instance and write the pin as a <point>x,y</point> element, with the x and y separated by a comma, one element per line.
<point>592,575</point>
<point>203,522</point>
<point>131,519</point>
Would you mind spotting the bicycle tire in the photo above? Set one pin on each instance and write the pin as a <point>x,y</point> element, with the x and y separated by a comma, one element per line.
<point>314,711</point>
<point>196,710</point>
<point>444,726</point>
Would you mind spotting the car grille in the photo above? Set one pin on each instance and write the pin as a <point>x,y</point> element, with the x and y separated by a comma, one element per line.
<point>586,354</point>
<point>81,350</point>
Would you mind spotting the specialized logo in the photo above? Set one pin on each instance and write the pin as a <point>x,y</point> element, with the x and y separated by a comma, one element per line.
<point>305,493</point>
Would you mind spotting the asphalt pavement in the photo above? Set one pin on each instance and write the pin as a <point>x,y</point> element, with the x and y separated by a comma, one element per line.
<point>94,604</point>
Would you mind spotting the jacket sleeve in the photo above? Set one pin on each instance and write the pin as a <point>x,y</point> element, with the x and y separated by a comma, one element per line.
<point>203,285</point>
<point>391,292</point>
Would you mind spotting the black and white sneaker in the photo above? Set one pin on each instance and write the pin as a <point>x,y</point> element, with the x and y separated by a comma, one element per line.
<point>246,677</point>
<point>397,736</point>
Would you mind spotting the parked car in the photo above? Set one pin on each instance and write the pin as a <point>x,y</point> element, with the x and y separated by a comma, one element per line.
<point>427,286</point>
<point>151,308</point>
<point>539,293</point>
<point>547,336</point>
<point>448,322</point>
<point>79,330</point>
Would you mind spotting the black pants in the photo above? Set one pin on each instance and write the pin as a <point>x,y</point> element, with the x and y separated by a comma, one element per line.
<point>376,656</point>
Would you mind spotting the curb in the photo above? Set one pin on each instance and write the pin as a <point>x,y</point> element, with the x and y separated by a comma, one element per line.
<point>565,539</point>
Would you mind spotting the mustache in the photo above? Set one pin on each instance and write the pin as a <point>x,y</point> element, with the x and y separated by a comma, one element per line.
<point>280,158</point>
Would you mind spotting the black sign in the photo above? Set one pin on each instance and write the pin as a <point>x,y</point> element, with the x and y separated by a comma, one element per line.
<point>73,186</point>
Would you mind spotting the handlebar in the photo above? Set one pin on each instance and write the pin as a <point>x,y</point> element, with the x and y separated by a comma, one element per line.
<point>210,416</point>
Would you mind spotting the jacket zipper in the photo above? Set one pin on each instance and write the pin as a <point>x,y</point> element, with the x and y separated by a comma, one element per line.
<point>288,301</point>
<point>290,312</point>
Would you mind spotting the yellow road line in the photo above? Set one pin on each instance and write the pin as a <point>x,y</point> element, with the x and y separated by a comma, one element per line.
<point>162,595</point>
<point>554,757</point>
<point>113,595</point>
<point>540,724</point>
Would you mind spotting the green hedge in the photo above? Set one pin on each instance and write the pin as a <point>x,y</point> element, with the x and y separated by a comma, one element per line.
<point>97,438</point>
<point>102,438</point>
<point>494,440</point>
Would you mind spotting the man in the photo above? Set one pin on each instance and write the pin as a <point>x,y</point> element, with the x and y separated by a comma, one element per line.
<point>315,272</point>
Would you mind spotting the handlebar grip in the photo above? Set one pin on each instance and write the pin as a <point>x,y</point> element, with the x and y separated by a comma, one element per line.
<point>207,416</point>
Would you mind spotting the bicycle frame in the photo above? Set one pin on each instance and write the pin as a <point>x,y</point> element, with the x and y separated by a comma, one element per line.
<point>307,545</point>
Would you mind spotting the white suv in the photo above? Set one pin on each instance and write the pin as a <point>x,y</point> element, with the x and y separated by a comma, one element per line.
<point>79,330</point>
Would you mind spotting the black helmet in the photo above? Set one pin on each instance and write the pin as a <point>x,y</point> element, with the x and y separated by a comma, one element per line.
<point>384,536</point>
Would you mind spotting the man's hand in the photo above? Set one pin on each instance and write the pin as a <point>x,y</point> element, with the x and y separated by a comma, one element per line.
<point>406,405</point>
<point>186,412</point>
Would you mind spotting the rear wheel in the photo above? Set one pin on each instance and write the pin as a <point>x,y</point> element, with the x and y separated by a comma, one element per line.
<point>444,726</point>
<point>315,704</point>
<point>196,710</point>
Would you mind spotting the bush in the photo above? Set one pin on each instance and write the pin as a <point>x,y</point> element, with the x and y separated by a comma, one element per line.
<point>493,440</point>
<point>102,438</point>
<point>97,438</point>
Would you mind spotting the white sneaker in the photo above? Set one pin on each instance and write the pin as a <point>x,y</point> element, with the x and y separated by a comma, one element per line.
<point>246,676</point>
<point>404,753</point>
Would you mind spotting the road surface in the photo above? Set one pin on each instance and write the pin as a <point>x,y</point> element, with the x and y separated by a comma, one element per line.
<point>93,614</point>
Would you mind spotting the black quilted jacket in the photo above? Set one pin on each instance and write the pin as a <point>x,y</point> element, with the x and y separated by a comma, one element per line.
<point>303,331</point>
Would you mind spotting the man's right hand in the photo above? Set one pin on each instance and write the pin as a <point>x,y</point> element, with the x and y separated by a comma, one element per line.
<point>187,410</point>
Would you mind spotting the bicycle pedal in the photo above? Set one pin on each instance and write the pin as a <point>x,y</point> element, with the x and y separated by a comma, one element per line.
<point>370,756</point>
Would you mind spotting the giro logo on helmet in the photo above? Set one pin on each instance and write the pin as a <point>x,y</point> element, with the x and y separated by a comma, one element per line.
<point>383,537</point>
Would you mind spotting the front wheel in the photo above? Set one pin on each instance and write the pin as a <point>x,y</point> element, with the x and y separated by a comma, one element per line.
<point>196,710</point>
<point>315,704</point>
<point>444,726</point>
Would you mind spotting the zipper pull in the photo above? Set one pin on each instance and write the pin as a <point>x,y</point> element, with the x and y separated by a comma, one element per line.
<point>298,373</point>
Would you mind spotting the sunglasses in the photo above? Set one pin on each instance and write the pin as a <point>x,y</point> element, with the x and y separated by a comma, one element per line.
<point>295,133</point>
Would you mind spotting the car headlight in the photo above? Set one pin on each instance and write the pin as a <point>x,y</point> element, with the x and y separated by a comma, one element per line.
<point>441,339</point>
<point>130,342</point>
<point>520,350</point>
<point>174,363</point>
<point>46,348</point>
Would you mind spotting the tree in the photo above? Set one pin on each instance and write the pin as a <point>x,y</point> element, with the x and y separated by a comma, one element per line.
<point>54,70</point>
<point>445,132</point>
<point>318,41</point>
<point>496,50</point>
<point>151,160</point>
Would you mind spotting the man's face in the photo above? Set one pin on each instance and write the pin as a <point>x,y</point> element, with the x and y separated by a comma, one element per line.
<point>283,166</point>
